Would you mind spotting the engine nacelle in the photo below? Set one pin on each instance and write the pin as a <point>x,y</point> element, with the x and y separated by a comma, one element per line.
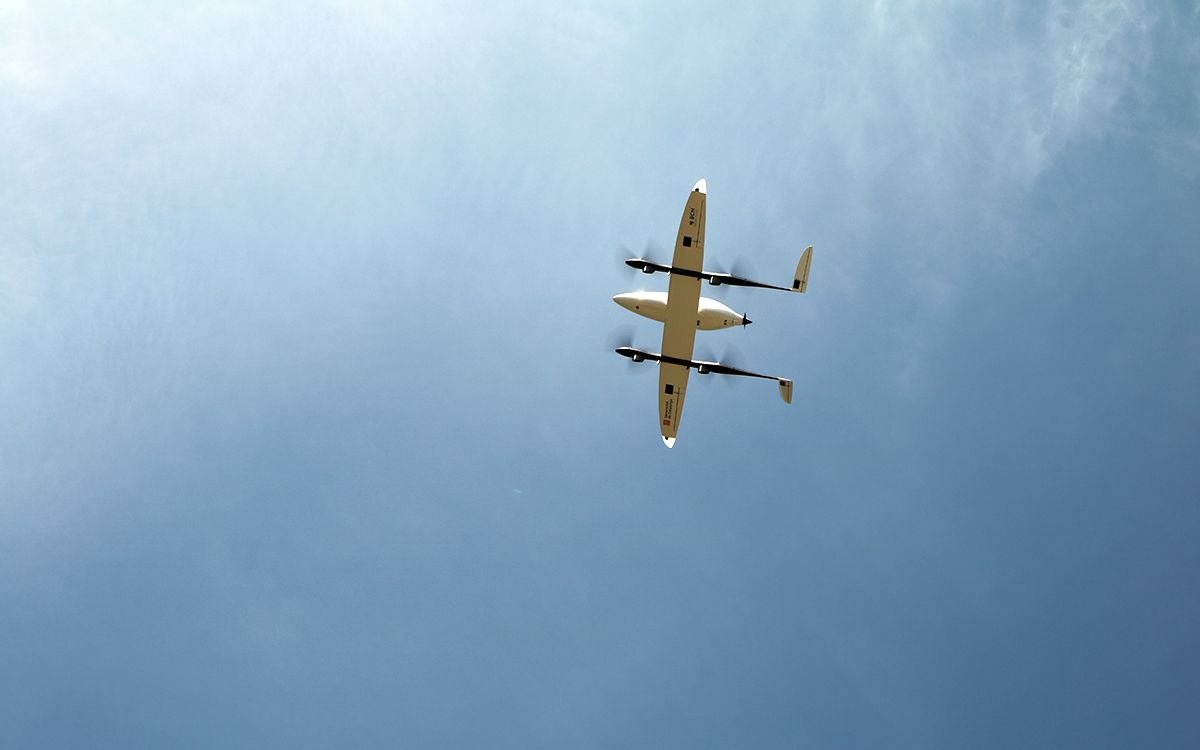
<point>638,358</point>
<point>647,269</point>
<point>702,369</point>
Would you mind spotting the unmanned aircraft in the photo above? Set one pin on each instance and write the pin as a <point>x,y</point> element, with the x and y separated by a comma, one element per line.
<point>682,304</point>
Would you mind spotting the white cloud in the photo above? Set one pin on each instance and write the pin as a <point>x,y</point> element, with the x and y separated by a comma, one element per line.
<point>944,116</point>
<point>953,77</point>
<point>1095,52</point>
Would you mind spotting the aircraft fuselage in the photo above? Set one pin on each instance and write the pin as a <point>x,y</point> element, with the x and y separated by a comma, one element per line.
<point>711,314</point>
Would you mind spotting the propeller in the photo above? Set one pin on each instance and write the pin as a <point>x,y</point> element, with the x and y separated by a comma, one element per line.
<point>620,336</point>
<point>623,335</point>
<point>741,267</point>
<point>731,357</point>
<point>622,254</point>
<point>653,252</point>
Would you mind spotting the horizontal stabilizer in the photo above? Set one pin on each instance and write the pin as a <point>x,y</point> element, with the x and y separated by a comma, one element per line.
<point>800,282</point>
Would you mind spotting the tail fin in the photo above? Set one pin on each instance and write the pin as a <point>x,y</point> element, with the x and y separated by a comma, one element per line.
<point>785,390</point>
<point>800,282</point>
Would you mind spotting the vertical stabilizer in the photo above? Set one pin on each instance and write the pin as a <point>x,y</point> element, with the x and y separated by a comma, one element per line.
<point>800,281</point>
<point>785,390</point>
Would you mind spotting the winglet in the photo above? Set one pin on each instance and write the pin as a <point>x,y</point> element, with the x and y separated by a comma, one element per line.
<point>785,390</point>
<point>800,281</point>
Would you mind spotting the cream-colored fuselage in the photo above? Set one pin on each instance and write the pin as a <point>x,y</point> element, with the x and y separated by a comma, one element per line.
<point>711,315</point>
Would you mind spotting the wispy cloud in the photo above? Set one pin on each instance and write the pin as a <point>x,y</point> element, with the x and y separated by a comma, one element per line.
<point>1007,87</point>
<point>1095,52</point>
<point>944,116</point>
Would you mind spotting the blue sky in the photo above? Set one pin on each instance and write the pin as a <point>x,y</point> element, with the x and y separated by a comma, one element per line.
<point>310,434</point>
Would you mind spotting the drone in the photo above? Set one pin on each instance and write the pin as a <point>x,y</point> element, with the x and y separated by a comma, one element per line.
<point>682,311</point>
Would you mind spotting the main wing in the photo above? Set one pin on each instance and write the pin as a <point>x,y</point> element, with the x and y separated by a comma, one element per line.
<point>680,323</point>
